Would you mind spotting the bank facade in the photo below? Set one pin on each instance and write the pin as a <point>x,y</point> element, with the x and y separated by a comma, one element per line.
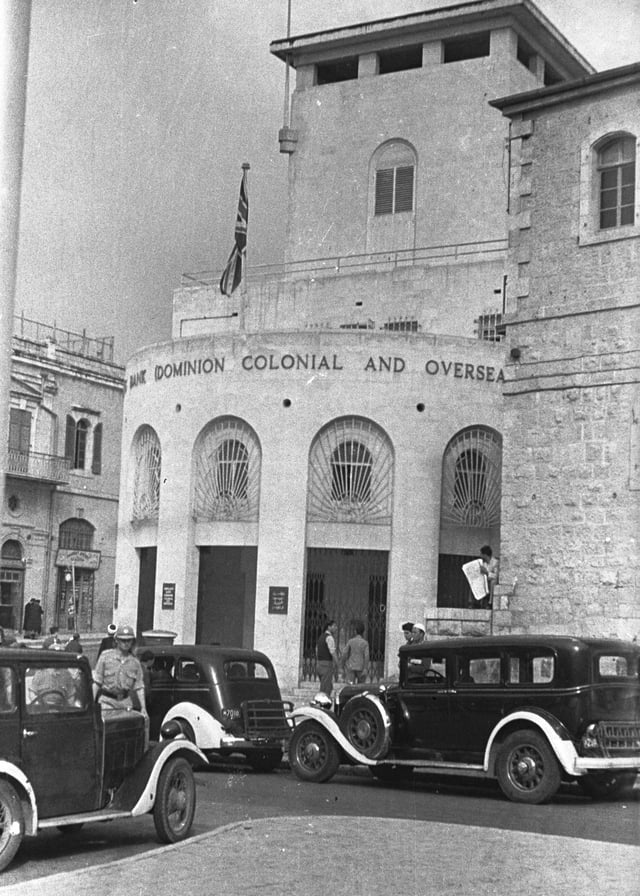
<point>329,441</point>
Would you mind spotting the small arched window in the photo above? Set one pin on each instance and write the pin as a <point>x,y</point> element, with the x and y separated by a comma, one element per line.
<point>394,179</point>
<point>616,167</point>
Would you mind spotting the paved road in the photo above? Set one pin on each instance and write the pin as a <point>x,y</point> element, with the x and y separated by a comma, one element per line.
<point>237,800</point>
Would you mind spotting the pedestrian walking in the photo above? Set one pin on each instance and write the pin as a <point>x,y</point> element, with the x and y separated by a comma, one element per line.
<point>327,657</point>
<point>32,625</point>
<point>355,659</point>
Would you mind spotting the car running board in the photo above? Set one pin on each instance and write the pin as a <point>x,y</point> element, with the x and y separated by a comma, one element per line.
<point>83,818</point>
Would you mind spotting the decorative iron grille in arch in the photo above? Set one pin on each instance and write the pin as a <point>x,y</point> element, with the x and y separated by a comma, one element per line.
<point>350,474</point>
<point>148,465</point>
<point>227,472</point>
<point>472,478</point>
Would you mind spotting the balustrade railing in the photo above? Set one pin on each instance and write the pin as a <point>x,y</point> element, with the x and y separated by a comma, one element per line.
<point>33,465</point>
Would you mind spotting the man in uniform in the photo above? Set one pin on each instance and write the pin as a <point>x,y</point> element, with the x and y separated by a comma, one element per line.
<point>118,682</point>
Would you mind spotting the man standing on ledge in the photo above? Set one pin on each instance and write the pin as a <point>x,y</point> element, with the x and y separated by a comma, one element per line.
<point>327,656</point>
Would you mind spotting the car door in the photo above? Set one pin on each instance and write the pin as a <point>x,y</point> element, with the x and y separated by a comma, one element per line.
<point>476,704</point>
<point>10,729</point>
<point>59,737</point>
<point>161,696</point>
<point>424,700</point>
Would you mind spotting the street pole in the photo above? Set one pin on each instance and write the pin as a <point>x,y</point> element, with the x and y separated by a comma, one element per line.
<point>15,21</point>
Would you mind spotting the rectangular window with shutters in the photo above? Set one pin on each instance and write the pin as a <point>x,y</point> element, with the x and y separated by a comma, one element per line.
<point>19,430</point>
<point>394,190</point>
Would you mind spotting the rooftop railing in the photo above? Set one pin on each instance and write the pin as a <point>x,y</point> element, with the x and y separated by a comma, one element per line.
<point>350,264</point>
<point>99,347</point>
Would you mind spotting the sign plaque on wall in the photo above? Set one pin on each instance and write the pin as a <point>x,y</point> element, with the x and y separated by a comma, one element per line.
<point>278,599</point>
<point>168,595</point>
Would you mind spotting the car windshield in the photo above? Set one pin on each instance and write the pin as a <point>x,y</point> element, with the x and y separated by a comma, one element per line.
<point>55,689</point>
<point>610,666</point>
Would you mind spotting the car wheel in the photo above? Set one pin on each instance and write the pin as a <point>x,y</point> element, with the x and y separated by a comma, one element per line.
<point>265,760</point>
<point>607,786</point>
<point>363,724</point>
<point>11,823</point>
<point>527,769</point>
<point>313,753</point>
<point>175,803</point>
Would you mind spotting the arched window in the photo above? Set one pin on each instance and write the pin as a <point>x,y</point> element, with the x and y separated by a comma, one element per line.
<point>147,459</point>
<point>394,173</point>
<point>351,465</point>
<point>76,535</point>
<point>350,474</point>
<point>226,484</point>
<point>617,182</point>
<point>232,469</point>
<point>472,479</point>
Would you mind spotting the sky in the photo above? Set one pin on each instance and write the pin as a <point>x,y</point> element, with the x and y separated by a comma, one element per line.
<point>139,116</point>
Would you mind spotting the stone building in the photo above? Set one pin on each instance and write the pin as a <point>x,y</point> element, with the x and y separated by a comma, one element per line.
<point>328,440</point>
<point>63,466</point>
<point>571,474</point>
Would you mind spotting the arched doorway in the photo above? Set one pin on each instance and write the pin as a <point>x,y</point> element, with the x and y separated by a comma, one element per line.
<point>469,509</point>
<point>350,488</point>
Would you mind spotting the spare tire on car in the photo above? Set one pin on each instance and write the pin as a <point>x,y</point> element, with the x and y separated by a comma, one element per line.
<point>366,724</point>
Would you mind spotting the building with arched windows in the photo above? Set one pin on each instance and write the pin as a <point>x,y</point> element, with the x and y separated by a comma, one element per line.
<point>330,440</point>
<point>63,468</point>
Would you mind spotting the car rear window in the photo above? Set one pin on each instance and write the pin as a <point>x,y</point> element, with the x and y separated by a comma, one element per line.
<point>611,666</point>
<point>235,670</point>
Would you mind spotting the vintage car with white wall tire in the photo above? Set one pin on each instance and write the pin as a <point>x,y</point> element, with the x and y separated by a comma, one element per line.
<point>530,711</point>
<point>226,700</point>
<point>64,764</point>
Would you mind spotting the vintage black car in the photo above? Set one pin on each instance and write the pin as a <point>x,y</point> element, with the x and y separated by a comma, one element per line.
<point>224,699</point>
<point>531,711</point>
<point>62,764</point>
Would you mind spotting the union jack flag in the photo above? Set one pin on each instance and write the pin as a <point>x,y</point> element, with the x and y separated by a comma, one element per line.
<point>232,274</point>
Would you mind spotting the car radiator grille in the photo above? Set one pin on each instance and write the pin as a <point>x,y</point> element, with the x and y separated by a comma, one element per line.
<point>619,738</point>
<point>266,718</point>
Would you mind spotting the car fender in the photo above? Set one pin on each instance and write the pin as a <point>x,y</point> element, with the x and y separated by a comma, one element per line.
<point>554,731</point>
<point>330,724</point>
<point>15,775</point>
<point>137,793</point>
<point>207,730</point>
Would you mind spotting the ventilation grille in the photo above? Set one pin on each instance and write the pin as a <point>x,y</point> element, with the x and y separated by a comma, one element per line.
<point>227,473</point>
<point>350,474</point>
<point>472,477</point>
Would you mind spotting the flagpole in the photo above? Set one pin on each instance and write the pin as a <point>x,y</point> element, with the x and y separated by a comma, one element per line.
<point>246,167</point>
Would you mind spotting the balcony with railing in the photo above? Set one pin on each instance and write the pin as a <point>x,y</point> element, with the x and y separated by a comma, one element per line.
<point>42,467</point>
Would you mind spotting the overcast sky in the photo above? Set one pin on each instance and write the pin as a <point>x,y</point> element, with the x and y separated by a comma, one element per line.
<point>139,116</point>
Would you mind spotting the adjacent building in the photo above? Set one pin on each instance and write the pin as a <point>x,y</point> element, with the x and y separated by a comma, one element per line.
<point>342,433</point>
<point>571,474</point>
<point>59,525</point>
